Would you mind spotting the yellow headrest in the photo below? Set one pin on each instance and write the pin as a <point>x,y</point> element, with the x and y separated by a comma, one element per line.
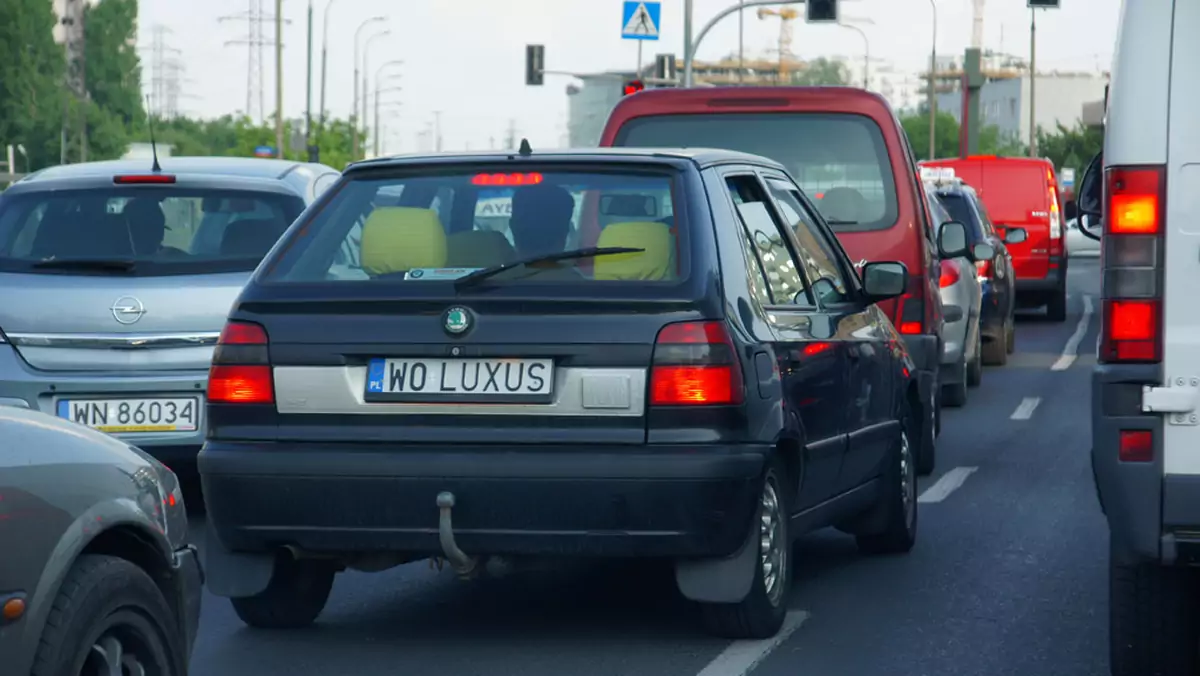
<point>478,249</point>
<point>396,239</point>
<point>653,264</point>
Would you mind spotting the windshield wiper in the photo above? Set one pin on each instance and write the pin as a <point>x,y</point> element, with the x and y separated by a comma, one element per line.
<point>485,273</point>
<point>102,264</point>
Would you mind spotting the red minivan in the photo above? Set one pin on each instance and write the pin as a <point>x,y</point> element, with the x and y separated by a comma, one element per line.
<point>846,148</point>
<point>1022,193</point>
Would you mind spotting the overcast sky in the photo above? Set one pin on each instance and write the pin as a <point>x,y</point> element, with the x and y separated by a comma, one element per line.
<point>465,58</point>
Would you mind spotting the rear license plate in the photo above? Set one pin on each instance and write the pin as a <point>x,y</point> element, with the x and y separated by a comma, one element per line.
<point>461,380</point>
<point>179,414</point>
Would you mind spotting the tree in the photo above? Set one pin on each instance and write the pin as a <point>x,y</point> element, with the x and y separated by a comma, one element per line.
<point>31,76</point>
<point>1071,147</point>
<point>991,142</point>
<point>822,71</point>
<point>114,71</point>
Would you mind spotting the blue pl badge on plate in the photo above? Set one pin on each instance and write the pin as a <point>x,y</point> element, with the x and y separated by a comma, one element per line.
<point>375,375</point>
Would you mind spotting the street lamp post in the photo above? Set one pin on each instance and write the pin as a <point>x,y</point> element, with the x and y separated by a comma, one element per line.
<point>933,86</point>
<point>354,108</point>
<point>366,86</point>
<point>379,91</point>
<point>324,55</point>
<point>866,51</point>
<point>378,82</point>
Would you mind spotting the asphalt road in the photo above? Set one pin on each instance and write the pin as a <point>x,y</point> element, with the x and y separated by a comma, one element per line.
<point>1007,576</point>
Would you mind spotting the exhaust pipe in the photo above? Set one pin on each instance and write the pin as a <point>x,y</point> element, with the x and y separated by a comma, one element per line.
<point>463,564</point>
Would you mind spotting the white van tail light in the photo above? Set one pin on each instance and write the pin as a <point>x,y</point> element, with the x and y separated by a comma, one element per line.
<point>1134,233</point>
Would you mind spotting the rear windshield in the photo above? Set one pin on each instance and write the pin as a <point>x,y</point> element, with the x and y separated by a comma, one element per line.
<point>840,160</point>
<point>152,231</point>
<point>428,228</point>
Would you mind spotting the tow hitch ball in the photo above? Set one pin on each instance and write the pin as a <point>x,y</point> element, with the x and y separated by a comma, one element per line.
<point>463,564</point>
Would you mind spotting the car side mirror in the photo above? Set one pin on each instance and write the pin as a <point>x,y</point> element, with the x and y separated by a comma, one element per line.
<point>952,240</point>
<point>1090,195</point>
<point>982,252</point>
<point>1015,235</point>
<point>882,280</point>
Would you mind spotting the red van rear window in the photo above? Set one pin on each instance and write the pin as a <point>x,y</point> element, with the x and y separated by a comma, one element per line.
<point>840,160</point>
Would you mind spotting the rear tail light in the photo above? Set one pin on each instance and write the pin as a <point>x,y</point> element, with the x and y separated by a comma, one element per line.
<point>695,364</point>
<point>241,366</point>
<point>1056,233</point>
<point>1136,446</point>
<point>983,270</point>
<point>911,314</point>
<point>1131,309</point>
<point>950,274</point>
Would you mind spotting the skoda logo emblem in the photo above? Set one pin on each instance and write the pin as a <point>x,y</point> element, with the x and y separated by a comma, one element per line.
<point>458,320</point>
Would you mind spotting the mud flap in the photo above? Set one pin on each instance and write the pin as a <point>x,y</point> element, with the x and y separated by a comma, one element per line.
<point>235,575</point>
<point>720,580</point>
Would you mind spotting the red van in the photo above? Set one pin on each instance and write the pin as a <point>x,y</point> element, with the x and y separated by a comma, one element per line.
<point>846,148</point>
<point>1023,192</point>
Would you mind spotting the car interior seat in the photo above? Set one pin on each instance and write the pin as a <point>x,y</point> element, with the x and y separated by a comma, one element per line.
<point>655,263</point>
<point>397,239</point>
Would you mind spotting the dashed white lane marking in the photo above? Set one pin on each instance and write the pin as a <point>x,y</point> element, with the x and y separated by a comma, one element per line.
<point>1071,350</point>
<point>740,657</point>
<point>946,484</point>
<point>1026,408</point>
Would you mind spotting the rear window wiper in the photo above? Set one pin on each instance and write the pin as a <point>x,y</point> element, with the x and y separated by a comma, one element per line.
<point>102,264</point>
<point>485,273</point>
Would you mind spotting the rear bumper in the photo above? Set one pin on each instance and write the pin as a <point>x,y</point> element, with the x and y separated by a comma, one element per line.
<point>677,501</point>
<point>1055,279</point>
<point>26,387</point>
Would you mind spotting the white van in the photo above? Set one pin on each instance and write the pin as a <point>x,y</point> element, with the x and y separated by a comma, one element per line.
<point>1146,385</point>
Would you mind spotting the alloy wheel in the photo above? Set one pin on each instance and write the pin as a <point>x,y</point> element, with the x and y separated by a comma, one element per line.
<point>773,550</point>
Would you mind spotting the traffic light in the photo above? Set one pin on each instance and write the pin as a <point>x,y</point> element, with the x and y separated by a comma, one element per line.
<point>634,86</point>
<point>822,11</point>
<point>535,64</point>
<point>1043,4</point>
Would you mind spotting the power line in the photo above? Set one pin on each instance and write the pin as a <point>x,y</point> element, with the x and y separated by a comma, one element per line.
<point>256,41</point>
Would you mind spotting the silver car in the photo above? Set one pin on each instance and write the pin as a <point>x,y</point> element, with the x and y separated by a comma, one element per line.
<point>962,298</point>
<point>1080,245</point>
<point>118,277</point>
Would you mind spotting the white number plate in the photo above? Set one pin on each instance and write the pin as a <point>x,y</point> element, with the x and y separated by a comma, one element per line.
<point>480,380</point>
<point>134,415</point>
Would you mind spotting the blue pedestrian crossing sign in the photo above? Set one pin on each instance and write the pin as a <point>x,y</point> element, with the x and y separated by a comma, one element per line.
<point>640,20</point>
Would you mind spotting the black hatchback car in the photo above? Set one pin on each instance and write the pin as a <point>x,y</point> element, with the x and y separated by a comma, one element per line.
<point>645,359</point>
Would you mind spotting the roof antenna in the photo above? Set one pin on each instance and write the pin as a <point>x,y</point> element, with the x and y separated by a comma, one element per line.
<point>525,150</point>
<point>153,146</point>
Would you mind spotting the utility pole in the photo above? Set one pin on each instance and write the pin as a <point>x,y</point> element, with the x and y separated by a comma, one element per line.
<point>279,140</point>
<point>255,42</point>
<point>324,56</point>
<point>73,32</point>
<point>1033,147</point>
<point>437,130</point>
<point>933,105</point>
<point>511,140</point>
<point>308,53</point>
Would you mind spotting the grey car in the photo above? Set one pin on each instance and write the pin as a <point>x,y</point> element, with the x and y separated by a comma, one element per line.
<point>118,278</point>
<point>95,569</point>
<point>959,288</point>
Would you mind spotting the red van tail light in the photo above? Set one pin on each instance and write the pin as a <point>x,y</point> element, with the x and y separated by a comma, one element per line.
<point>1131,310</point>
<point>950,274</point>
<point>241,366</point>
<point>695,364</point>
<point>1056,230</point>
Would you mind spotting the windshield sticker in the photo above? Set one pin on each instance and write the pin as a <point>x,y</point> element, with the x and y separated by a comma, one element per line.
<point>437,274</point>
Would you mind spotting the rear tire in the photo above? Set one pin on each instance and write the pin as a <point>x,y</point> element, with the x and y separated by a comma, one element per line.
<point>899,499</point>
<point>1010,335</point>
<point>761,614</point>
<point>954,394</point>
<point>1153,619</point>
<point>295,597</point>
<point>995,352</point>
<point>1056,308</point>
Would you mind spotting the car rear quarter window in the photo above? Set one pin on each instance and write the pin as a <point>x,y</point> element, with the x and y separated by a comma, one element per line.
<point>840,160</point>
<point>959,208</point>
<point>423,227</point>
<point>155,231</point>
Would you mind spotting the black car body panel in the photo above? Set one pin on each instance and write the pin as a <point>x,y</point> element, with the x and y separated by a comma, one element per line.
<point>598,466</point>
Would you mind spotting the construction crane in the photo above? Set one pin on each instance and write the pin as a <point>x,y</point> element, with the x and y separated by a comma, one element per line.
<point>786,16</point>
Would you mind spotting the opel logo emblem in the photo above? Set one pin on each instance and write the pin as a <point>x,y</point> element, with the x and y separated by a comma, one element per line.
<point>127,310</point>
<point>457,320</point>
